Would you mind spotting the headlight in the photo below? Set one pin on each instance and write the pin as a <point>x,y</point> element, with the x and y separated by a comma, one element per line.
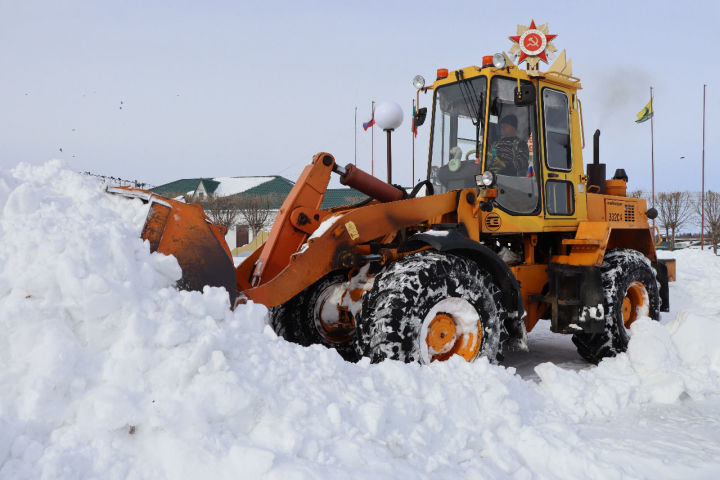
<point>487,179</point>
<point>499,60</point>
<point>418,82</point>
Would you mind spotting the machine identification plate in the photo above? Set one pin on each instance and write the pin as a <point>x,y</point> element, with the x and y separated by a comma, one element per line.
<point>615,211</point>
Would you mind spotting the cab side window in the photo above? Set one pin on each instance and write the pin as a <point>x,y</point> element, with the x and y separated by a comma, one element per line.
<point>557,130</point>
<point>559,197</point>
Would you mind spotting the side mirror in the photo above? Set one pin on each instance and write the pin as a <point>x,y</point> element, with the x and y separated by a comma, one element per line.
<point>525,95</point>
<point>420,116</point>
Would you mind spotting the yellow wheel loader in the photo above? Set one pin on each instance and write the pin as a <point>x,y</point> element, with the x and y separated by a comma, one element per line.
<point>510,230</point>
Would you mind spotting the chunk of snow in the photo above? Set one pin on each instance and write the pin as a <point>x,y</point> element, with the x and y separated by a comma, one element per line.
<point>324,226</point>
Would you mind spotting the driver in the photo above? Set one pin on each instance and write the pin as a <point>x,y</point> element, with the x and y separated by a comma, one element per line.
<point>509,155</point>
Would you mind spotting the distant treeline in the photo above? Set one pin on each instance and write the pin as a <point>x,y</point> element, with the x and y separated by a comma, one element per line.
<point>679,212</point>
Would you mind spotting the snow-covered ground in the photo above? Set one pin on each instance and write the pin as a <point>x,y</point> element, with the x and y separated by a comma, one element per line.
<point>107,371</point>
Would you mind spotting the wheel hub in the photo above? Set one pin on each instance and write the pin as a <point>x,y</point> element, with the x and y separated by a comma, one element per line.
<point>635,301</point>
<point>333,321</point>
<point>442,334</point>
<point>338,303</point>
<point>451,327</point>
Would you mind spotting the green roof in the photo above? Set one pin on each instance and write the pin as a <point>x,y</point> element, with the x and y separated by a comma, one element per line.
<point>278,188</point>
<point>210,185</point>
<point>182,187</point>
<point>335,197</point>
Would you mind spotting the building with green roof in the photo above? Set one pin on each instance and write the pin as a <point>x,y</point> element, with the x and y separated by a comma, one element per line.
<point>275,188</point>
<point>190,187</point>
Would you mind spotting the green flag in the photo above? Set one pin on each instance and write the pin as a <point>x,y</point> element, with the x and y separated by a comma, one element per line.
<point>646,113</point>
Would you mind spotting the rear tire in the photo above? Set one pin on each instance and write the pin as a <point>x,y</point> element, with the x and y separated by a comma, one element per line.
<point>298,320</point>
<point>427,285</point>
<point>288,324</point>
<point>630,290</point>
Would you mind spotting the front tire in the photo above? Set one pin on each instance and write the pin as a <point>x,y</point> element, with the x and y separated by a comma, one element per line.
<point>630,290</point>
<point>429,306</point>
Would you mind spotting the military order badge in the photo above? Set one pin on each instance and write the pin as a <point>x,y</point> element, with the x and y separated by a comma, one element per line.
<point>532,44</point>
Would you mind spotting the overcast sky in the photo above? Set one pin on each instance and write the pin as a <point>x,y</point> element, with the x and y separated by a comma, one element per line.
<point>157,91</point>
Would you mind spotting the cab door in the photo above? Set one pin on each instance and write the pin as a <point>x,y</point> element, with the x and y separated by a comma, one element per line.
<point>558,186</point>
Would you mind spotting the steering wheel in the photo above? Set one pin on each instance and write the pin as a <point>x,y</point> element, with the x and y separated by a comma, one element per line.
<point>467,155</point>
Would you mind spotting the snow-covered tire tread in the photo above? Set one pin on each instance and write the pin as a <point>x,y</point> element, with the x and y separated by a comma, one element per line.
<point>620,268</point>
<point>393,311</point>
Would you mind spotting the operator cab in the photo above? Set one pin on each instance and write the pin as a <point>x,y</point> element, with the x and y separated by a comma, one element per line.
<point>474,130</point>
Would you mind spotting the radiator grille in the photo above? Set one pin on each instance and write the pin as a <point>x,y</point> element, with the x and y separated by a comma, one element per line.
<point>629,213</point>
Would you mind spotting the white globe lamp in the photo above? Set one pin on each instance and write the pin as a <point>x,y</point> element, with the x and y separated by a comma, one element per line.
<point>388,115</point>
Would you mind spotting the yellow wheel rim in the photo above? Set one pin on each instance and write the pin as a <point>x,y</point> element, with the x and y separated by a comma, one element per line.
<point>441,336</point>
<point>444,338</point>
<point>635,298</point>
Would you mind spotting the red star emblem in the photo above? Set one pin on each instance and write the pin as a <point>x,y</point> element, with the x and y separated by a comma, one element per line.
<point>532,43</point>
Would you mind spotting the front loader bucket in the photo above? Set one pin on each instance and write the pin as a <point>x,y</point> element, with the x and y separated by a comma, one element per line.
<point>185,232</point>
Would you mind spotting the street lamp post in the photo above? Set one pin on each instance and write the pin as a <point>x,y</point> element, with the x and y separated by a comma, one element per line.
<point>389,116</point>
<point>702,195</point>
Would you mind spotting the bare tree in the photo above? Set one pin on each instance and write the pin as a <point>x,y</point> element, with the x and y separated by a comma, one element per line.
<point>674,211</point>
<point>256,209</point>
<point>712,217</point>
<point>223,211</point>
<point>637,194</point>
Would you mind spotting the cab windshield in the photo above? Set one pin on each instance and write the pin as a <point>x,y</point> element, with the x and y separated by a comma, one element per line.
<point>457,134</point>
<point>459,127</point>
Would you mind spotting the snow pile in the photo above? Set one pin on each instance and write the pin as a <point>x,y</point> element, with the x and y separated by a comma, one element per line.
<point>662,364</point>
<point>107,371</point>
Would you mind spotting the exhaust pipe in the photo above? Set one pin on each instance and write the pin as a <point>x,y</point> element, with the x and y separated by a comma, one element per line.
<point>596,147</point>
<point>596,170</point>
